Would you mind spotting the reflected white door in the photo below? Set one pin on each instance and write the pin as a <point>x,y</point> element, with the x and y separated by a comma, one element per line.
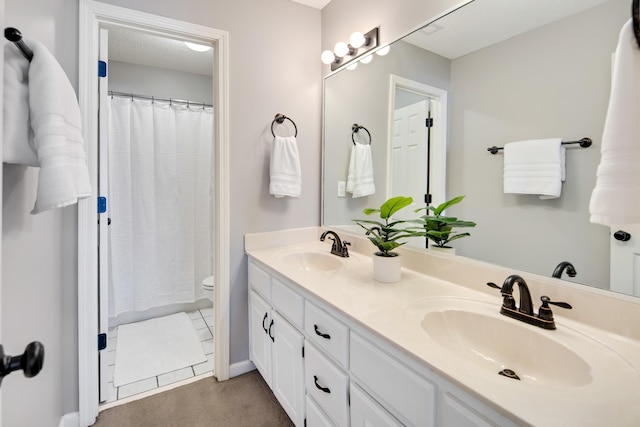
<point>625,260</point>
<point>103,217</point>
<point>410,166</point>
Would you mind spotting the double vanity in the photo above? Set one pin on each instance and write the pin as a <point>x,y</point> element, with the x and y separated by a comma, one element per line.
<point>339,349</point>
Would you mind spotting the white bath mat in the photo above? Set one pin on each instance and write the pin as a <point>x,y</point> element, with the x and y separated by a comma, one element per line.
<point>156,346</point>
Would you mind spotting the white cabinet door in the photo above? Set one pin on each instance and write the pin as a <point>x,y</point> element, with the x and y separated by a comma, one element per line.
<point>288,368</point>
<point>366,412</point>
<point>315,416</point>
<point>260,322</point>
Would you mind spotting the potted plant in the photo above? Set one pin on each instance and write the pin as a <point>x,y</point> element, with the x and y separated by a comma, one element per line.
<point>439,228</point>
<point>385,235</point>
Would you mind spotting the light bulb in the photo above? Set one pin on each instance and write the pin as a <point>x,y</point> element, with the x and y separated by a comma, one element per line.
<point>341,49</point>
<point>353,66</point>
<point>357,40</point>
<point>198,47</point>
<point>384,50</point>
<point>327,57</point>
<point>366,59</point>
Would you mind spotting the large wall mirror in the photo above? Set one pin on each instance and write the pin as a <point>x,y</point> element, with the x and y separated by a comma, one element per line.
<point>489,73</point>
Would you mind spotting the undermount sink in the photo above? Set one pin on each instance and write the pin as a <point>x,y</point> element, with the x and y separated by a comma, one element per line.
<point>313,261</point>
<point>474,333</point>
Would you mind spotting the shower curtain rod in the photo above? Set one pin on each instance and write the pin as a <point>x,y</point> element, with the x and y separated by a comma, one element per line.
<point>153,98</point>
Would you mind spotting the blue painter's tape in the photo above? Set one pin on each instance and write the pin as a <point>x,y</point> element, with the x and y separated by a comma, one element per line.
<point>102,69</point>
<point>102,205</point>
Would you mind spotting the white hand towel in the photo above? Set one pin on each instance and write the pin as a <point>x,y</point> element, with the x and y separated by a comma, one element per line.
<point>286,176</point>
<point>615,200</point>
<point>360,181</point>
<point>534,167</point>
<point>52,127</point>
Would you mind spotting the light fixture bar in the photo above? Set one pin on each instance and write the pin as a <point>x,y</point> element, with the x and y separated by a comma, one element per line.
<point>371,42</point>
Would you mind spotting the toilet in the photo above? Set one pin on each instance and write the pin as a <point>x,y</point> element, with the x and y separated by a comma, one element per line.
<point>208,288</point>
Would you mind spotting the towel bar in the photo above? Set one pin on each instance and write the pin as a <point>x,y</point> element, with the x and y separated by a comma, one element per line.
<point>584,143</point>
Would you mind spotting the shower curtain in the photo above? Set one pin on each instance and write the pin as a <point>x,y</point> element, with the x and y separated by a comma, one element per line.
<point>160,203</point>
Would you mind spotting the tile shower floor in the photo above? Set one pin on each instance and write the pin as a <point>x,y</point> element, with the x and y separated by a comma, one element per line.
<point>203,323</point>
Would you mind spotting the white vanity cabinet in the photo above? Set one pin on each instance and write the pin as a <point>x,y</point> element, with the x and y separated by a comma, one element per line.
<point>345,376</point>
<point>276,346</point>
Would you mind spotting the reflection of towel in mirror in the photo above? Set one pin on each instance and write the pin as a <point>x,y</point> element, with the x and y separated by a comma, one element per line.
<point>616,197</point>
<point>286,177</point>
<point>43,126</point>
<point>534,167</point>
<point>360,177</point>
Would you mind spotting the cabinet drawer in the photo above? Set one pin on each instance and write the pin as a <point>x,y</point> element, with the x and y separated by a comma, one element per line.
<point>327,384</point>
<point>400,390</point>
<point>287,302</point>
<point>329,334</point>
<point>260,281</point>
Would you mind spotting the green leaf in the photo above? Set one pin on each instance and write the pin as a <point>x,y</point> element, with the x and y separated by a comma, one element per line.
<point>393,205</point>
<point>447,204</point>
<point>369,211</point>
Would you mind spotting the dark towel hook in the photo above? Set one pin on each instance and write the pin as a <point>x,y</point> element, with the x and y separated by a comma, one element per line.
<point>14,35</point>
<point>355,128</point>
<point>280,118</point>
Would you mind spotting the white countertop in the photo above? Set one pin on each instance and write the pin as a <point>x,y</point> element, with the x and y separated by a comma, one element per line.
<point>612,397</point>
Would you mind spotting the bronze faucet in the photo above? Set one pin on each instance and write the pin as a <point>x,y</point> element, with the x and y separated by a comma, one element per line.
<point>524,312</point>
<point>338,247</point>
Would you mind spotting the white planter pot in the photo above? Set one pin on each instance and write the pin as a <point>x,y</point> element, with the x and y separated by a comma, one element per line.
<point>450,251</point>
<point>387,269</point>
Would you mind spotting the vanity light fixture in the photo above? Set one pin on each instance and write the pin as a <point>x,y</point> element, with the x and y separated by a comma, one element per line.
<point>198,47</point>
<point>343,53</point>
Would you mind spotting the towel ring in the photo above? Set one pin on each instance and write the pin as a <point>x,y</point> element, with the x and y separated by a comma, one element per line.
<point>355,128</point>
<point>280,118</point>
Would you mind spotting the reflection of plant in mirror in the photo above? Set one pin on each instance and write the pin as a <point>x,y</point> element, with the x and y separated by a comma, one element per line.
<point>385,235</point>
<point>439,228</point>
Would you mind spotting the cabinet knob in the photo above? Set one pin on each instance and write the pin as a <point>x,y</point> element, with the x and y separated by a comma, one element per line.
<point>319,387</point>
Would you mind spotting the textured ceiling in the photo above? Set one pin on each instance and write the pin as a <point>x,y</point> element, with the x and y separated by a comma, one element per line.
<point>482,23</point>
<point>135,47</point>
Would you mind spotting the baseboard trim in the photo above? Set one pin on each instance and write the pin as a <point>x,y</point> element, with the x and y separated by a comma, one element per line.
<point>70,420</point>
<point>241,368</point>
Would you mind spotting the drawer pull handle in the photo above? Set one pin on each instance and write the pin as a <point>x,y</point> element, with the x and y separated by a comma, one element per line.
<point>271,336</point>
<point>263,320</point>
<point>325,336</point>
<point>319,387</point>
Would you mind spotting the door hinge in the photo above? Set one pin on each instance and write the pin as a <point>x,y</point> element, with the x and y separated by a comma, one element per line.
<point>102,341</point>
<point>428,122</point>
<point>303,352</point>
<point>102,69</point>
<point>427,199</point>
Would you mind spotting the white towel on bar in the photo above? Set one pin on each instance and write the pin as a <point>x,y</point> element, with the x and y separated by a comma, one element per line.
<point>615,200</point>
<point>286,175</point>
<point>534,167</point>
<point>43,126</point>
<point>360,181</point>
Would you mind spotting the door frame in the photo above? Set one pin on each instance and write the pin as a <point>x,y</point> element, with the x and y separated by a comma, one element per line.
<point>92,15</point>
<point>438,145</point>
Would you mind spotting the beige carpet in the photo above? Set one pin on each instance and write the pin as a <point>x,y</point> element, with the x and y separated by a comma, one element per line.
<point>241,401</point>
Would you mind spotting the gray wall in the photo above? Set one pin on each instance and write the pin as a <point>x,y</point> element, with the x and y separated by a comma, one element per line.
<point>550,82</point>
<point>39,252</point>
<point>362,96</point>
<point>160,82</point>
